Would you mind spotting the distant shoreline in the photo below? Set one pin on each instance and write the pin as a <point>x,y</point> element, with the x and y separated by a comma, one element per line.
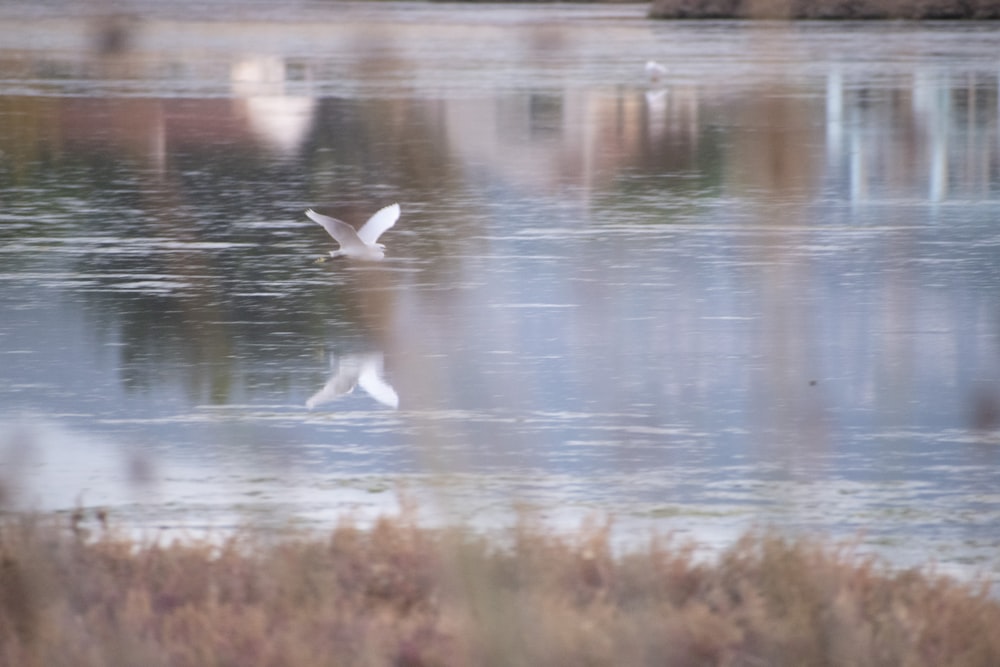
<point>836,10</point>
<point>830,10</point>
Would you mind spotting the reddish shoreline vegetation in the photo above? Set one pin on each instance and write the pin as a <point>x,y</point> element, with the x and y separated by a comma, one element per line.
<point>400,594</point>
<point>826,9</point>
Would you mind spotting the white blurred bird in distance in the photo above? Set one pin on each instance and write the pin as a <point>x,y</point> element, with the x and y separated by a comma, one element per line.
<point>356,370</point>
<point>655,71</point>
<point>360,244</point>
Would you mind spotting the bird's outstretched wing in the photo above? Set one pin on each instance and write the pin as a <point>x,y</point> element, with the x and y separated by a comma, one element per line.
<point>342,382</point>
<point>383,219</point>
<point>370,379</point>
<point>341,232</point>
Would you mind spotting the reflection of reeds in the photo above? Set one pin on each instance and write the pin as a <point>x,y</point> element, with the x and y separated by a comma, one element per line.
<point>404,595</point>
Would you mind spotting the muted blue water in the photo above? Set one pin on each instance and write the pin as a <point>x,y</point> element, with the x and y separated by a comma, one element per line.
<point>763,291</point>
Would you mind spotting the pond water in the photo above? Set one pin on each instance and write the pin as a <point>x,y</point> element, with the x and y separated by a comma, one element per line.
<point>763,290</point>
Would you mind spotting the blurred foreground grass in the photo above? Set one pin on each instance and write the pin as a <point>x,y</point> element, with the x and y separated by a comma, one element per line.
<point>401,594</point>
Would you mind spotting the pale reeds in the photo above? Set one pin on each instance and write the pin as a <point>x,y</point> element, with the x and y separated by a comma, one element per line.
<point>398,594</point>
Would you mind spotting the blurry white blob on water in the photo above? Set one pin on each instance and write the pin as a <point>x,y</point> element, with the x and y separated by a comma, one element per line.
<point>655,70</point>
<point>279,114</point>
<point>350,371</point>
<point>360,244</point>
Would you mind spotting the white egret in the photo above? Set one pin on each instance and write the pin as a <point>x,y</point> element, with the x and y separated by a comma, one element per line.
<point>356,370</point>
<point>655,70</point>
<point>360,244</point>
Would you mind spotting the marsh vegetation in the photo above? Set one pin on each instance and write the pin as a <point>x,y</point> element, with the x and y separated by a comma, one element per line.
<point>400,594</point>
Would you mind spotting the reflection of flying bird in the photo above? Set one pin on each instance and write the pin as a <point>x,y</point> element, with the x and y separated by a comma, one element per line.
<point>364,370</point>
<point>655,70</point>
<point>360,244</point>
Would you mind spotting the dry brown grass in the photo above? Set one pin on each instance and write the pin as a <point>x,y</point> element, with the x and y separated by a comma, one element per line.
<point>399,594</point>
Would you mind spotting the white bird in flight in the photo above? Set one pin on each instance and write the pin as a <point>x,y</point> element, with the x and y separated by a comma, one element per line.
<point>360,244</point>
<point>353,370</point>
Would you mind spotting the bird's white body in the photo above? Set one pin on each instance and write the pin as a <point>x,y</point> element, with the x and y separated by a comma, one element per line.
<point>350,371</point>
<point>360,244</point>
<point>655,70</point>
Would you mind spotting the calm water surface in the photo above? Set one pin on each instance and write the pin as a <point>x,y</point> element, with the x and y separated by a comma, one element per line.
<point>765,290</point>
